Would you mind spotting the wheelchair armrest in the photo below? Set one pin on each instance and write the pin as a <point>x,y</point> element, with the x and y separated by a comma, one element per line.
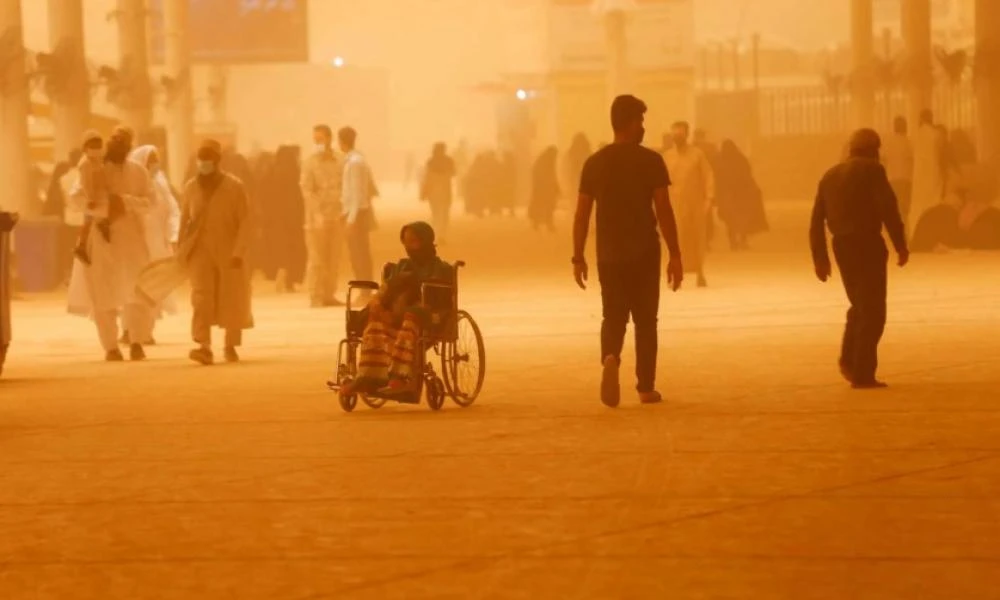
<point>365,285</point>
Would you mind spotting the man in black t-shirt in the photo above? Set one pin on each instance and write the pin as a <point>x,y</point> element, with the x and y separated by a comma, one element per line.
<point>630,186</point>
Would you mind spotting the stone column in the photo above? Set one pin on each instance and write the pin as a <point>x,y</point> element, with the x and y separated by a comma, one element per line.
<point>70,99</point>
<point>616,39</point>
<point>987,72</point>
<point>916,26</point>
<point>862,64</point>
<point>15,152</point>
<point>180,106</point>
<point>137,93</point>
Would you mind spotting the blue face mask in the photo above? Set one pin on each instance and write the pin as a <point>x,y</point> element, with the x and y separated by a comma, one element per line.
<point>206,167</point>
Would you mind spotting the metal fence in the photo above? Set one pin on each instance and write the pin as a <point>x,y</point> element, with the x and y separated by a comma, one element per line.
<point>817,110</point>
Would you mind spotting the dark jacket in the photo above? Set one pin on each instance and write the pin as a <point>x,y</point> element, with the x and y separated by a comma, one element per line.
<point>855,200</point>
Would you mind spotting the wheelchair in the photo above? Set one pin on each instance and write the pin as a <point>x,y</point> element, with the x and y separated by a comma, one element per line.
<point>450,336</point>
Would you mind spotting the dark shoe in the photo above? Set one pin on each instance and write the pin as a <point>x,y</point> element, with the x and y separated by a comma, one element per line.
<point>150,342</point>
<point>114,356</point>
<point>202,356</point>
<point>869,385</point>
<point>653,397</point>
<point>135,352</point>
<point>702,282</point>
<point>611,392</point>
<point>231,355</point>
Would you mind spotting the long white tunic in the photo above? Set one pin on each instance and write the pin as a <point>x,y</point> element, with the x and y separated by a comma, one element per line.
<point>692,189</point>
<point>162,222</point>
<point>928,177</point>
<point>108,283</point>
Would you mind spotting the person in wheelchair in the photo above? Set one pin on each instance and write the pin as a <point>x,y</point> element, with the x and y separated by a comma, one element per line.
<point>390,357</point>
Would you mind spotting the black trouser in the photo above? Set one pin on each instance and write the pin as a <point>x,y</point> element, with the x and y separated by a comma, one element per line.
<point>862,263</point>
<point>631,288</point>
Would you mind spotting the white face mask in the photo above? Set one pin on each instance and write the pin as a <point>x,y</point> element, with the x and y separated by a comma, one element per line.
<point>206,167</point>
<point>321,148</point>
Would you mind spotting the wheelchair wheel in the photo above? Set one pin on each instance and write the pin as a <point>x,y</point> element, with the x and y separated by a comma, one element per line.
<point>434,388</point>
<point>348,401</point>
<point>463,362</point>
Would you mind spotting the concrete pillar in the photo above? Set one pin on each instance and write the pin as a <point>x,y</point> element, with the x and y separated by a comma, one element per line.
<point>71,101</point>
<point>616,39</point>
<point>180,106</point>
<point>987,62</point>
<point>862,63</point>
<point>137,93</point>
<point>15,157</point>
<point>916,26</point>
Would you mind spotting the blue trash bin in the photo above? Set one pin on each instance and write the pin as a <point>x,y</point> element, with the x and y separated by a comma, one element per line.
<point>7,222</point>
<point>36,250</point>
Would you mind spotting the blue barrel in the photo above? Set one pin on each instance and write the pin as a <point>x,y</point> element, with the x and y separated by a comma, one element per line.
<point>7,222</point>
<point>36,250</point>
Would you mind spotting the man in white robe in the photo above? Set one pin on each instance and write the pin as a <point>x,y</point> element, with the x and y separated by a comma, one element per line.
<point>928,169</point>
<point>692,191</point>
<point>105,289</point>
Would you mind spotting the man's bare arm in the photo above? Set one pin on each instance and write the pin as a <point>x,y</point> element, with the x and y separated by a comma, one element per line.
<point>581,224</point>
<point>667,221</point>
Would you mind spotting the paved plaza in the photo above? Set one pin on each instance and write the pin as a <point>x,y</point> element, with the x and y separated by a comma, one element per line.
<point>763,476</point>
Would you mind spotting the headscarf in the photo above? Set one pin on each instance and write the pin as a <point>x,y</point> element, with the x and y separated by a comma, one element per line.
<point>424,233</point>
<point>160,183</point>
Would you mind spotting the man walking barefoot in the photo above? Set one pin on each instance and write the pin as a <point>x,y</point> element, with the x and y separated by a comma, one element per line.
<point>630,187</point>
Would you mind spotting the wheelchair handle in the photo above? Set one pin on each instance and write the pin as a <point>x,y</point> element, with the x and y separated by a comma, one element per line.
<point>365,285</point>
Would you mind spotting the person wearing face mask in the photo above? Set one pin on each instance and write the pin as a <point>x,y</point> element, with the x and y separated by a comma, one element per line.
<point>629,185</point>
<point>105,289</point>
<point>692,188</point>
<point>388,360</point>
<point>214,239</point>
<point>855,201</point>
<point>161,224</point>
<point>322,183</point>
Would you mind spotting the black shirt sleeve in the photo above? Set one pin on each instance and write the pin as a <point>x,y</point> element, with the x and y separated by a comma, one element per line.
<point>817,229</point>
<point>658,175</point>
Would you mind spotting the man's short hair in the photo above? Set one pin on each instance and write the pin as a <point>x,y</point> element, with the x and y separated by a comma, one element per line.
<point>324,129</point>
<point>864,141</point>
<point>347,136</point>
<point>683,124</point>
<point>927,116</point>
<point>625,110</point>
<point>124,132</point>
<point>899,124</point>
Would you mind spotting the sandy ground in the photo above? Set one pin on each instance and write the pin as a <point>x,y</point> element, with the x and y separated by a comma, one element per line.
<point>762,476</point>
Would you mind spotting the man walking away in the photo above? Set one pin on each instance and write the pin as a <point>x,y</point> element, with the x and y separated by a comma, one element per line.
<point>855,200</point>
<point>357,207</point>
<point>214,241</point>
<point>322,183</point>
<point>627,182</point>
<point>897,156</point>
